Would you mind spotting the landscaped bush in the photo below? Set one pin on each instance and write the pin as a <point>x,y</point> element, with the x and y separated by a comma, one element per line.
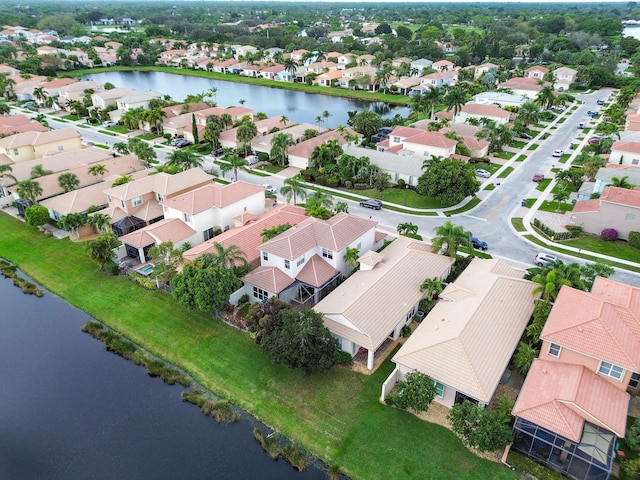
<point>630,468</point>
<point>112,268</point>
<point>37,215</point>
<point>243,299</point>
<point>416,392</point>
<point>574,228</point>
<point>344,358</point>
<point>632,438</point>
<point>550,233</point>
<point>609,234</point>
<point>332,182</point>
<point>634,239</point>
<point>401,183</point>
<point>263,156</point>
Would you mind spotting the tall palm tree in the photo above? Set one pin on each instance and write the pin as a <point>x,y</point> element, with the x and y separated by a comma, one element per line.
<point>351,255</point>
<point>453,236</point>
<point>232,162</point>
<point>184,160</point>
<point>29,190</point>
<point>39,94</point>
<point>101,249</point>
<point>154,118</point>
<point>226,121</point>
<point>621,182</point>
<point>545,97</point>
<point>293,188</point>
<point>73,221</point>
<point>280,144</point>
<point>228,257</point>
<point>432,287</point>
<point>4,173</point>
<point>455,99</point>
<point>246,133</point>
<point>212,130</point>
<point>407,228</point>
<point>529,114</point>
<point>101,221</point>
<point>68,181</point>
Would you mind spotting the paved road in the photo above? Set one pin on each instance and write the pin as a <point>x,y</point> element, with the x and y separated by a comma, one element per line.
<point>490,220</point>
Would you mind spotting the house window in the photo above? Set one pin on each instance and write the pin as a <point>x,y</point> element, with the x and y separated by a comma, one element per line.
<point>554,350</point>
<point>186,217</point>
<point>260,294</point>
<point>300,261</point>
<point>160,197</point>
<point>611,370</point>
<point>635,380</point>
<point>629,217</point>
<point>287,264</point>
<point>208,234</point>
<point>136,201</point>
<point>60,148</point>
<point>439,389</point>
<point>396,139</point>
<point>15,151</point>
<point>426,153</point>
<point>327,254</point>
<point>265,256</point>
<point>635,161</point>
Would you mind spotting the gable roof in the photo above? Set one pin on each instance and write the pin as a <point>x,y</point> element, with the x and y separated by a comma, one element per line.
<point>38,138</point>
<point>370,303</point>
<point>162,183</point>
<point>458,342</point>
<point>316,272</point>
<point>484,110</point>
<point>212,195</point>
<point>603,323</point>
<point>271,279</point>
<point>167,230</point>
<point>626,146</point>
<point>560,396</point>
<point>334,234</point>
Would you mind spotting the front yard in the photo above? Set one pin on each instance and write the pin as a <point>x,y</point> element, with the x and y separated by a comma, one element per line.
<point>336,415</point>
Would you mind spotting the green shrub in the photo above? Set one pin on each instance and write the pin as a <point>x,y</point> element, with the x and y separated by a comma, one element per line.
<point>574,228</point>
<point>348,184</point>
<point>332,182</point>
<point>406,331</point>
<point>263,156</point>
<point>634,239</point>
<point>416,392</point>
<point>112,268</point>
<point>632,438</point>
<point>552,234</point>
<point>243,299</point>
<point>37,215</point>
<point>344,358</point>
<point>401,183</point>
<point>630,468</point>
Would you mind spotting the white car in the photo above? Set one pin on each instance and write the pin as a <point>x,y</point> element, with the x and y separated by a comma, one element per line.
<point>269,188</point>
<point>252,159</point>
<point>109,123</point>
<point>482,173</point>
<point>557,153</point>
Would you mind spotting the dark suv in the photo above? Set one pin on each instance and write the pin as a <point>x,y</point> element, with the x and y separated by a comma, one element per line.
<point>479,244</point>
<point>371,203</point>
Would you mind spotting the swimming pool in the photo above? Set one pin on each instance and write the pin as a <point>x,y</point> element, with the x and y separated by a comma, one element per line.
<point>146,269</point>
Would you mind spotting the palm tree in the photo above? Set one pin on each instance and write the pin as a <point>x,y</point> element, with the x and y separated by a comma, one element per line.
<point>229,257</point>
<point>68,181</point>
<point>545,97</point>
<point>212,130</point>
<point>232,162</point>
<point>407,228</point>
<point>226,121</point>
<point>39,171</point>
<point>98,170</point>
<point>621,182</point>
<point>246,133</point>
<point>283,120</point>
<point>560,196</point>
<point>5,109</point>
<point>290,66</point>
<point>293,187</point>
<point>73,221</point>
<point>29,190</point>
<point>4,173</point>
<point>529,114</point>
<point>101,249</point>
<point>184,160</point>
<point>101,221</point>
<point>432,287</point>
<point>39,94</point>
<point>154,118</point>
<point>319,199</point>
<point>453,236</point>
<point>280,144</point>
<point>122,179</point>
<point>524,357</point>
<point>351,255</point>
<point>455,99</point>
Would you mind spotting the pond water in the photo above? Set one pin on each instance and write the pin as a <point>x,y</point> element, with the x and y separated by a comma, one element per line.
<point>297,106</point>
<point>69,410</point>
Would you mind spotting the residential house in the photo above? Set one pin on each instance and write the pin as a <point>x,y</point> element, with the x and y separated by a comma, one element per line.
<point>297,55</point>
<point>358,78</point>
<point>19,124</point>
<point>537,71</point>
<point>228,138</point>
<point>245,50</point>
<point>23,147</point>
<point>605,177</point>
<point>400,167</point>
<point>419,65</point>
<point>405,85</point>
<point>617,208</point>
<point>396,62</point>
<point>527,87</point>
<point>345,59</point>
<point>210,209</point>
<point>135,204</point>
<point>360,312</point>
<point>300,154</point>
<point>484,68</point>
<point>500,99</point>
<point>574,402</point>
<point>458,344</point>
<point>478,112</point>
<point>443,66</point>
<point>329,79</point>
<point>138,243</point>
<point>107,98</point>
<point>76,91</point>
<point>263,143</point>
<point>625,153</point>
<point>419,143</point>
<point>137,100</point>
<point>246,232</point>
<point>272,72</point>
<point>306,262</point>
<point>438,79</point>
<point>633,122</point>
<point>563,78</point>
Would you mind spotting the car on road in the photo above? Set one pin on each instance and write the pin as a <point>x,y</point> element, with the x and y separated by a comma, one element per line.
<point>181,143</point>
<point>109,124</point>
<point>538,177</point>
<point>252,159</point>
<point>482,173</point>
<point>175,141</point>
<point>543,258</point>
<point>581,125</point>
<point>557,153</point>
<point>371,203</point>
<point>558,108</point>
<point>269,188</point>
<point>218,152</point>
<point>479,244</point>
<point>600,101</point>
<point>592,113</point>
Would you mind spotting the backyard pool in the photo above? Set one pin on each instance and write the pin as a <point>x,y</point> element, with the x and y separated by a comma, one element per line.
<point>146,269</point>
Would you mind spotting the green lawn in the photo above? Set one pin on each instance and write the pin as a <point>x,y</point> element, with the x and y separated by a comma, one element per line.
<point>518,224</point>
<point>270,168</point>
<point>506,172</point>
<point>533,146</point>
<point>337,415</point>
<point>594,243</point>
<point>518,144</point>
<point>543,184</point>
<point>472,203</point>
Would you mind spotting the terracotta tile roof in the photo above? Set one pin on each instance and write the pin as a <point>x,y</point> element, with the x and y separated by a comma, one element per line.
<point>633,147</point>
<point>431,139</point>
<point>22,128</point>
<point>305,149</point>
<point>621,196</point>
<point>334,234</point>
<point>561,396</point>
<point>167,230</point>
<point>363,302</point>
<point>38,138</point>
<point>596,325</point>
<point>457,343</point>
<point>212,195</point>
<point>520,83</point>
<point>271,279</point>
<point>586,206</point>
<point>484,110</point>
<point>249,237</point>
<point>162,183</point>
<point>316,272</point>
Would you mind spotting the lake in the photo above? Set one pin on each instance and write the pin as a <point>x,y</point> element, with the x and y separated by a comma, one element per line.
<point>299,107</point>
<point>631,32</point>
<point>69,410</point>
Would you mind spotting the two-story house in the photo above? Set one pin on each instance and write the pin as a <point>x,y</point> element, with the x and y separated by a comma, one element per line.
<point>26,146</point>
<point>574,402</point>
<point>537,72</point>
<point>625,153</point>
<point>419,143</point>
<point>563,77</point>
<point>306,262</point>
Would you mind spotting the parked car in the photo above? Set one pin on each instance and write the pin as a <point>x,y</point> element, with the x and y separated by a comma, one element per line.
<point>269,188</point>
<point>526,136</point>
<point>218,152</point>
<point>581,125</point>
<point>479,244</point>
<point>538,177</point>
<point>252,159</point>
<point>371,203</point>
<point>557,153</point>
<point>593,141</point>
<point>174,142</point>
<point>558,108</point>
<point>543,258</point>
<point>181,143</point>
<point>600,101</point>
<point>592,113</point>
<point>482,173</point>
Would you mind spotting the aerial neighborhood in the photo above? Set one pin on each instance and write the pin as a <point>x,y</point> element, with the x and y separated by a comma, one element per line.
<point>474,262</point>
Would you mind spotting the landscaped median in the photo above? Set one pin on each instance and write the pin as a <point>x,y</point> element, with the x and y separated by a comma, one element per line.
<point>336,416</point>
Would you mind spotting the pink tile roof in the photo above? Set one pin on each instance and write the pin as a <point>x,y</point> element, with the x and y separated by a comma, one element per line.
<point>334,234</point>
<point>168,230</point>
<point>305,149</point>
<point>484,110</point>
<point>621,196</point>
<point>561,396</point>
<point>271,279</point>
<point>596,325</point>
<point>316,272</point>
<point>212,195</point>
<point>633,147</point>
<point>586,206</point>
<point>249,237</point>
<point>431,139</point>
